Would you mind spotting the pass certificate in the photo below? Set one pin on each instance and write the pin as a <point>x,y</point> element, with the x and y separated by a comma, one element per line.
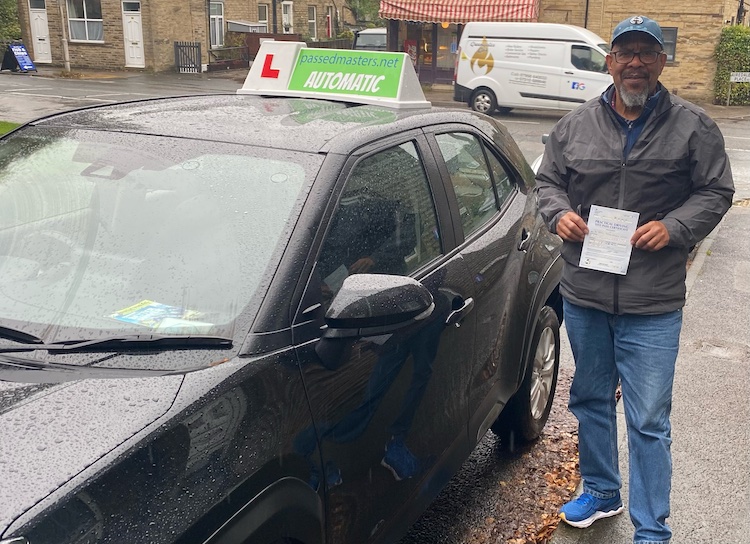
<point>607,245</point>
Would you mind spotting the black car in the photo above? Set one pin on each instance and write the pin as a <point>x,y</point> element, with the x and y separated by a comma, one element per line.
<point>262,319</point>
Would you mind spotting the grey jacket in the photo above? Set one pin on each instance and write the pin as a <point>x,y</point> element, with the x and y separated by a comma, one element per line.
<point>677,172</point>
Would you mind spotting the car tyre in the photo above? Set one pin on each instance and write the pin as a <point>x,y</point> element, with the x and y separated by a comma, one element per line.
<point>527,412</point>
<point>484,101</point>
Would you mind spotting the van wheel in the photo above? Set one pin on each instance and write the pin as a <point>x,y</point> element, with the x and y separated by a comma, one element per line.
<point>525,415</point>
<point>483,101</point>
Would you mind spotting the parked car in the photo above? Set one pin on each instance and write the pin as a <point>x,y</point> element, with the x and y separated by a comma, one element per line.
<point>264,319</point>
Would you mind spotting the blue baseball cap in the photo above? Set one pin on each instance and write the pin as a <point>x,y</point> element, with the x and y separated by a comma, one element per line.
<point>639,23</point>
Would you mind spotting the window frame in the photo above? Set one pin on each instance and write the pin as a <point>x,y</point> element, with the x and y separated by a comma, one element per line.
<point>216,25</point>
<point>264,20</point>
<point>312,22</point>
<point>669,34</point>
<point>86,20</point>
<point>287,17</point>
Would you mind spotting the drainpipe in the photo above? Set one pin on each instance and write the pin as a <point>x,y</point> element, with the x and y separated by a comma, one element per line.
<point>66,53</point>
<point>275,23</point>
<point>586,16</point>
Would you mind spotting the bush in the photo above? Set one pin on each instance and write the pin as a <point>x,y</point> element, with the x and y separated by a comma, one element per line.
<point>9,27</point>
<point>732,55</point>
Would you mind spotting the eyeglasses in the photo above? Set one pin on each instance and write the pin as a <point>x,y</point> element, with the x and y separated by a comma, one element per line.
<point>624,57</point>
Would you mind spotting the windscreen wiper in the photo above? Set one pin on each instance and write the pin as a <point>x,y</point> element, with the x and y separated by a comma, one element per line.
<point>27,370</point>
<point>18,335</point>
<point>128,343</point>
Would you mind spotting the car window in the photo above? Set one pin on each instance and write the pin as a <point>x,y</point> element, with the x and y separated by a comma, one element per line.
<point>385,220</point>
<point>586,58</point>
<point>503,181</point>
<point>135,232</point>
<point>471,179</point>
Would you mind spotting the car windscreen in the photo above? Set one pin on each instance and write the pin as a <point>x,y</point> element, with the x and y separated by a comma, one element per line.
<point>114,232</point>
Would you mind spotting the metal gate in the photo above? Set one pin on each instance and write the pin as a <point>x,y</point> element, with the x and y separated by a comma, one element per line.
<point>187,57</point>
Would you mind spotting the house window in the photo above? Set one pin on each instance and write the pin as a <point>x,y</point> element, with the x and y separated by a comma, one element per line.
<point>670,42</point>
<point>85,20</point>
<point>312,25</point>
<point>287,17</point>
<point>217,24</point>
<point>263,15</point>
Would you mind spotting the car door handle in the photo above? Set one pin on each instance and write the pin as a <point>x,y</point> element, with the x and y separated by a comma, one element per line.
<point>458,315</point>
<point>525,242</point>
<point>569,73</point>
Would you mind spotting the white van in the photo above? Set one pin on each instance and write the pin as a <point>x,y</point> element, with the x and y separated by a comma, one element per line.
<point>529,65</point>
<point>371,39</point>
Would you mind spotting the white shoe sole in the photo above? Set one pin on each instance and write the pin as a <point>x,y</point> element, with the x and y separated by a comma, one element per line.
<point>588,521</point>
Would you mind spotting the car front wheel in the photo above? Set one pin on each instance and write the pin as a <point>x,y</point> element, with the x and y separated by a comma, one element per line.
<point>483,101</point>
<point>524,417</point>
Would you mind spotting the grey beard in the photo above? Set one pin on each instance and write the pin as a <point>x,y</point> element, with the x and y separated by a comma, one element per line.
<point>632,100</point>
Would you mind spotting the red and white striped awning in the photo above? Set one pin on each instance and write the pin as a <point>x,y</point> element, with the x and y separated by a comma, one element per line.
<point>459,11</point>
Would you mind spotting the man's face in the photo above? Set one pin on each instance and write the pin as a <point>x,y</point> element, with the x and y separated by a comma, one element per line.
<point>635,80</point>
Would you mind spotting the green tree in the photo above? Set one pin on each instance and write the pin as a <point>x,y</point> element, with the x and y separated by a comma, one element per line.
<point>732,55</point>
<point>9,27</point>
<point>365,11</point>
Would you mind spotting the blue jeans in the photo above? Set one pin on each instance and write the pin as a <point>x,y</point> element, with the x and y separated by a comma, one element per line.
<point>640,351</point>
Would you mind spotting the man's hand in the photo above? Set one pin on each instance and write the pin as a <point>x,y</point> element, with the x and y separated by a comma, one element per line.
<point>572,227</point>
<point>650,237</point>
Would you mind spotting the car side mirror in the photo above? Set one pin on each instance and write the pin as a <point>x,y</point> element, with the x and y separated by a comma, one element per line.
<point>373,304</point>
<point>370,305</point>
<point>544,138</point>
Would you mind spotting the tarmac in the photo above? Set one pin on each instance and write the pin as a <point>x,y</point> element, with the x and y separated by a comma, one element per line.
<point>711,406</point>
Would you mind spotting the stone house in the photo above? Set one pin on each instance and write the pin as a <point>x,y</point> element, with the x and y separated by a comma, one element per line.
<point>141,34</point>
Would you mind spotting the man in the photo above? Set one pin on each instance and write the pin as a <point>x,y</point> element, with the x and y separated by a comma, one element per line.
<point>641,149</point>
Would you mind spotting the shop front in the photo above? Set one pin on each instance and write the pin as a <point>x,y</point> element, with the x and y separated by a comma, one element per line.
<point>429,29</point>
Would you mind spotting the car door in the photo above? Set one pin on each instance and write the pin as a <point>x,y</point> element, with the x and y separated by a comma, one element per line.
<point>388,409</point>
<point>494,227</point>
<point>585,75</point>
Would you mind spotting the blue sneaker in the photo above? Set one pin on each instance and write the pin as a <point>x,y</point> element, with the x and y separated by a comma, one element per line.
<point>399,460</point>
<point>586,509</point>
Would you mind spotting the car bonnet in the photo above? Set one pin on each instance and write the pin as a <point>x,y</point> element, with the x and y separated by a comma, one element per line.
<point>50,434</point>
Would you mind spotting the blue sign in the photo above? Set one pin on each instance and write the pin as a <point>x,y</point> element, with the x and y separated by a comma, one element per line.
<point>22,57</point>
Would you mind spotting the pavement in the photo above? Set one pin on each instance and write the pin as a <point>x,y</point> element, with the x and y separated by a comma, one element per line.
<point>711,410</point>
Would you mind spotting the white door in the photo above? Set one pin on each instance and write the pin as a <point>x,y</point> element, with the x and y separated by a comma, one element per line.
<point>40,31</point>
<point>133,32</point>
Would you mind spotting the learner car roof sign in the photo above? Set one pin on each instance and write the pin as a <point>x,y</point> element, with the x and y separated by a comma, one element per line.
<point>363,77</point>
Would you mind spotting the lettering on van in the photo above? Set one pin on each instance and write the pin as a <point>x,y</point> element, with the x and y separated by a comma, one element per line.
<point>528,80</point>
<point>525,52</point>
<point>482,58</point>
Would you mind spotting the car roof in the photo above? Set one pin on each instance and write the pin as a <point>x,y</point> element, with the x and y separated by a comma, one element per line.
<point>297,124</point>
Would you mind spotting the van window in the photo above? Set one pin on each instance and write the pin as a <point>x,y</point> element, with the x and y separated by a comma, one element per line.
<point>373,40</point>
<point>587,58</point>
